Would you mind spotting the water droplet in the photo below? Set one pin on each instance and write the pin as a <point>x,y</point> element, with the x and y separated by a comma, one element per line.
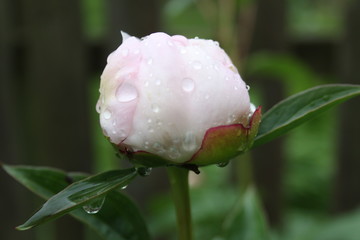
<point>122,133</point>
<point>223,164</point>
<point>216,43</point>
<point>94,206</point>
<point>209,77</point>
<point>170,43</point>
<point>146,83</point>
<point>196,37</point>
<point>174,153</point>
<point>236,88</point>
<point>188,84</point>
<point>189,142</point>
<point>151,130</point>
<point>114,123</point>
<point>150,75</point>
<point>247,87</point>
<point>98,106</point>
<point>155,108</point>
<point>158,82</point>
<point>136,51</point>
<point>158,148</point>
<point>158,122</point>
<point>125,52</point>
<point>107,114</point>
<point>149,61</point>
<point>126,93</point>
<point>197,65</point>
<point>149,120</point>
<point>124,187</point>
<point>207,96</point>
<point>144,171</point>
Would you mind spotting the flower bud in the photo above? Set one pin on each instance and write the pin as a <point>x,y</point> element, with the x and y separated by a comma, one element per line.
<point>172,100</point>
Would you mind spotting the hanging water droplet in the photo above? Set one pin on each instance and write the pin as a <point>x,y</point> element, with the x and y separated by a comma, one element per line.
<point>126,93</point>
<point>216,43</point>
<point>188,84</point>
<point>125,52</point>
<point>124,187</point>
<point>94,206</point>
<point>155,108</point>
<point>197,65</point>
<point>144,171</point>
<point>107,114</point>
<point>149,61</point>
<point>223,164</point>
<point>189,142</point>
<point>247,87</point>
<point>196,37</point>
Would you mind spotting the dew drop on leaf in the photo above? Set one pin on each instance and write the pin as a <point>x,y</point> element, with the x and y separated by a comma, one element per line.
<point>94,206</point>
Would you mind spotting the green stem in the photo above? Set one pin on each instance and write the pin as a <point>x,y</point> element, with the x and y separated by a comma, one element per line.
<point>180,191</point>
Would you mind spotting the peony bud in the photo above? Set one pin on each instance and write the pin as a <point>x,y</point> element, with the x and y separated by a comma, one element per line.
<point>172,100</point>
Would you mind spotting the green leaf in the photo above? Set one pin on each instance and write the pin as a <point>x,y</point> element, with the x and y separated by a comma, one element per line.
<point>301,107</point>
<point>118,218</point>
<point>247,221</point>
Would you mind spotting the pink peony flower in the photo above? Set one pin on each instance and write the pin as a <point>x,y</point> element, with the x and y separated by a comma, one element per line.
<point>168,99</point>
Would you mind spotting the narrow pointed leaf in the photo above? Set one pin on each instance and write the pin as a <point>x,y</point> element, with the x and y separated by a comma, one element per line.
<point>301,107</point>
<point>117,219</point>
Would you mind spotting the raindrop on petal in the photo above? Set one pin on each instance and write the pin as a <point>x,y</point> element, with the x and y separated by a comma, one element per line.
<point>149,61</point>
<point>188,84</point>
<point>126,93</point>
<point>189,142</point>
<point>107,114</point>
<point>174,153</point>
<point>94,206</point>
<point>247,87</point>
<point>155,108</point>
<point>98,106</point>
<point>197,65</point>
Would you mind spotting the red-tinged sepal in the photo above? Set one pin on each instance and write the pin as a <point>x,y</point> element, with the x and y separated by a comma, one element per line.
<point>222,143</point>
